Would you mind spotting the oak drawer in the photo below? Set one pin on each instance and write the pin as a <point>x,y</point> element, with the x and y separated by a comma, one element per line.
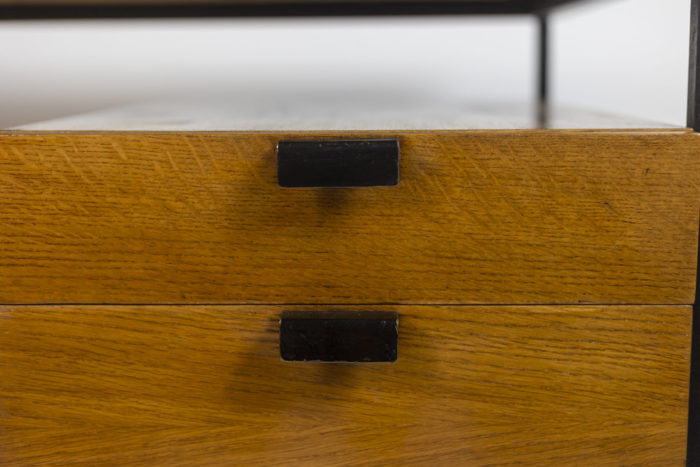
<point>184,385</point>
<point>477,217</point>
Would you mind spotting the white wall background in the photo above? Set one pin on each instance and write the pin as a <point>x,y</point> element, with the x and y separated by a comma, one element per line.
<point>622,56</point>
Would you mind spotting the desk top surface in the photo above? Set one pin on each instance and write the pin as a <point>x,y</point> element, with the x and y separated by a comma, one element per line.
<point>342,111</point>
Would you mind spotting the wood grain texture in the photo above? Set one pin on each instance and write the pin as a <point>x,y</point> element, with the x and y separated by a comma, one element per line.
<point>478,217</point>
<point>475,385</point>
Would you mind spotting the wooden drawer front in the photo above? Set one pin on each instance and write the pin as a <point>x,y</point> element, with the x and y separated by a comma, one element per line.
<point>478,217</point>
<point>548,385</point>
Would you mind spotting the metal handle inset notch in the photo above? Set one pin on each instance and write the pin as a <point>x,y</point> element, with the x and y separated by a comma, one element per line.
<point>339,336</point>
<point>351,163</point>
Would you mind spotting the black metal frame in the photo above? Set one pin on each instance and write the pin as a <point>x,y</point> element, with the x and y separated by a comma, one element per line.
<point>542,68</point>
<point>274,8</point>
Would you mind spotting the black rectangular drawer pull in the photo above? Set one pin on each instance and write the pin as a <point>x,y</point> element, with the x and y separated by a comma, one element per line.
<point>332,336</point>
<point>335,163</point>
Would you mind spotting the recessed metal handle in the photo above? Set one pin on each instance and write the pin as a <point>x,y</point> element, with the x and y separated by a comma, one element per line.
<point>349,163</point>
<point>333,336</point>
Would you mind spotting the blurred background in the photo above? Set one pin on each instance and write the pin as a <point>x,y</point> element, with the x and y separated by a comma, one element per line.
<point>627,57</point>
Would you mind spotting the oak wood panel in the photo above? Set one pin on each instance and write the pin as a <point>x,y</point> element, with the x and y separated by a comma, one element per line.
<point>473,385</point>
<point>478,217</point>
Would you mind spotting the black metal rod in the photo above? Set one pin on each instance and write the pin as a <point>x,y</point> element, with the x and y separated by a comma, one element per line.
<point>693,454</point>
<point>542,69</point>
<point>693,91</point>
<point>272,8</point>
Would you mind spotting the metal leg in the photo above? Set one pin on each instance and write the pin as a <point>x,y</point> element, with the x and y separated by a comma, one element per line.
<point>543,69</point>
<point>694,72</point>
<point>693,454</point>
